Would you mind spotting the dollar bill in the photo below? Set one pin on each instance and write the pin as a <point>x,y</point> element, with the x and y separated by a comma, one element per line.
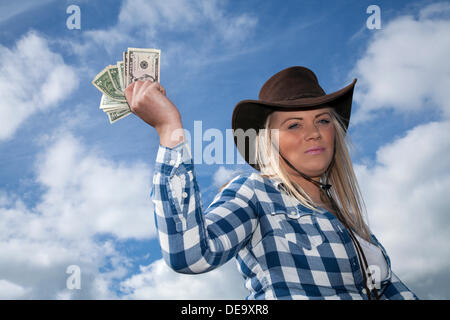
<point>142,64</point>
<point>120,68</point>
<point>137,64</point>
<point>114,116</point>
<point>115,78</point>
<point>104,83</point>
<point>106,104</point>
<point>125,68</point>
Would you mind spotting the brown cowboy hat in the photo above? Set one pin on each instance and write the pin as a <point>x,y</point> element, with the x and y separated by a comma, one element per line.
<point>294,88</point>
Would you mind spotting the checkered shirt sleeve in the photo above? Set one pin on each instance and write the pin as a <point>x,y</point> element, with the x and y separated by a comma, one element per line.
<point>396,290</point>
<point>194,240</point>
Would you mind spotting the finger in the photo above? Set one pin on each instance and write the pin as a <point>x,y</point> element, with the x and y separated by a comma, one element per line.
<point>129,89</point>
<point>159,87</point>
<point>162,89</point>
<point>133,90</point>
<point>137,87</point>
<point>146,84</point>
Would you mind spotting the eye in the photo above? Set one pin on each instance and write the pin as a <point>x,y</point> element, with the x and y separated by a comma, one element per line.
<point>324,121</point>
<point>293,126</point>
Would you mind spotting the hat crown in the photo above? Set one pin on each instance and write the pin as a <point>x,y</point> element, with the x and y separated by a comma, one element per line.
<point>290,84</point>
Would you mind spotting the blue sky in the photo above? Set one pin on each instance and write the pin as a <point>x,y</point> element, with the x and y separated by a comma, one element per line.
<point>74,190</point>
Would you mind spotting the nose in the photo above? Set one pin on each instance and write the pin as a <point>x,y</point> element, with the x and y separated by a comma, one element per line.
<point>312,132</point>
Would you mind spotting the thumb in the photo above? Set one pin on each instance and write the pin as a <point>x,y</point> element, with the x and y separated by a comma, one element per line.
<point>129,91</point>
<point>160,88</point>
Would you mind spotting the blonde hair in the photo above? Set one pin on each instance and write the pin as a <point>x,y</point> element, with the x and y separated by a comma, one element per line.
<point>345,190</point>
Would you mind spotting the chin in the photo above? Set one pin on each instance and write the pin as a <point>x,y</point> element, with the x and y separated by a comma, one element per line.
<point>311,167</point>
<point>314,168</point>
<point>313,171</point>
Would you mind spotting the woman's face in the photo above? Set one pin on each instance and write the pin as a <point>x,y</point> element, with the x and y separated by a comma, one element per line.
<point>306,139</point>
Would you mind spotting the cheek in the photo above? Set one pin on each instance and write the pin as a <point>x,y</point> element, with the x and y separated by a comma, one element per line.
<point>328,137</point>
<point>290,142</point>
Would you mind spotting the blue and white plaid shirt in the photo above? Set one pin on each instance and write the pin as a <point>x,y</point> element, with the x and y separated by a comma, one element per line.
<point>282,249</point>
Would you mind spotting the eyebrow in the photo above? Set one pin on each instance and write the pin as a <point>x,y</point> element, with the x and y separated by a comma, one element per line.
<point>300,118</point>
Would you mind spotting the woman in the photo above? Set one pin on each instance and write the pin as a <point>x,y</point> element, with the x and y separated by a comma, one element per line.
<point>295,227</point>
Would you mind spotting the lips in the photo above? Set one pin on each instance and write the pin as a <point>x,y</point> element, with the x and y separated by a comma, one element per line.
<point>315,150</point>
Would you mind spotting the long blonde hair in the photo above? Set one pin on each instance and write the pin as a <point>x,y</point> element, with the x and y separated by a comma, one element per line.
<point>345,190</point>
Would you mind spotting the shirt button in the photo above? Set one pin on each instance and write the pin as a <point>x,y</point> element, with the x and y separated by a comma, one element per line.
<point>293,214</point>
<point>184,195</point>
<point>172,162</point>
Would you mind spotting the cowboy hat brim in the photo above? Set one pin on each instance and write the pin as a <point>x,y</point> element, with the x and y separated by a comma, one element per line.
<point>251,114</point>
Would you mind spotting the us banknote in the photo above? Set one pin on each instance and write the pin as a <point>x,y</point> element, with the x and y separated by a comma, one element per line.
<point>137,64</point>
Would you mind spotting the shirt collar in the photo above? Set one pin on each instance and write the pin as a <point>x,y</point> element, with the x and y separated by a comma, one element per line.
<point>276,181</point>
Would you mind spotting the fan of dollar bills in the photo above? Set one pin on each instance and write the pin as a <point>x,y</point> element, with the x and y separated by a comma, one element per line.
<point>137,64</point>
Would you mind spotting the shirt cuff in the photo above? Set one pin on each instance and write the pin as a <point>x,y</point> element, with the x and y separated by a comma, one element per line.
<point>168,159</point>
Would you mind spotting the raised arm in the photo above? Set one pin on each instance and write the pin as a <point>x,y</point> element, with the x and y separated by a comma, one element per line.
<point>192,240</point>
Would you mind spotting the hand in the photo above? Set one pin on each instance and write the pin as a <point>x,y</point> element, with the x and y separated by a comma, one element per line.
<point>148,101</point>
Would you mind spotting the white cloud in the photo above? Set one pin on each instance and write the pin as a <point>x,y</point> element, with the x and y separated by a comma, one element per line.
<point>170,14</point>
<point>223,175</point>
<point>32,79</point>
<point>9,9</point>
<point>440,9</point>
<point>84,196</point>
<point>202,29</point>
<point>203,16</point>
<point>82,186</point>
<point>405,66</point>
<point>406,193</point>
<point>9,290</point>
<point>158,281</point>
